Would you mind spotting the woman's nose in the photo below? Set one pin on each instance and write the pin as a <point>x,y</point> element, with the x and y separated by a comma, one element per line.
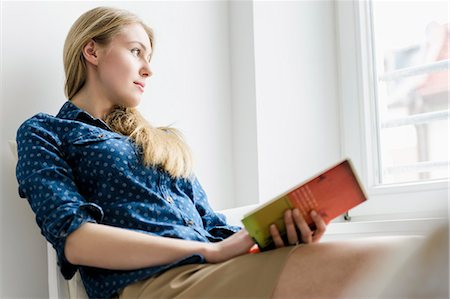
<point>146,71</point>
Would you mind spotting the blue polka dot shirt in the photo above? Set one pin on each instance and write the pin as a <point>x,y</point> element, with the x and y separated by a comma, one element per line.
<point>74,169</point>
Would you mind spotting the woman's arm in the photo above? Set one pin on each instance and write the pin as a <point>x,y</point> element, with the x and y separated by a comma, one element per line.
<point>109,247</point>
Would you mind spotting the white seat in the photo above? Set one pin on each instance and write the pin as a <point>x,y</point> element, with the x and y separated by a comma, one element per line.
<point>58,287</point>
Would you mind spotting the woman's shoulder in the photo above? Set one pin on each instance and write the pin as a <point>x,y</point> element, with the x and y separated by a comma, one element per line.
<point>40,118</point>
<point>40,124</point>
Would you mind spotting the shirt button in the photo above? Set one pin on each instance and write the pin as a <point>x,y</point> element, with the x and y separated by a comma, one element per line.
<point>101,135</point>
<point>169,199</point>
<point>190,222</point>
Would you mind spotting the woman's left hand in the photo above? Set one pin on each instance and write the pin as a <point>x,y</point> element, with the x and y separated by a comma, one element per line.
<point>293,219</point>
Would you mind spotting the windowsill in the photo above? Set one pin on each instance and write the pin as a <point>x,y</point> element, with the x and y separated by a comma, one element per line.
<point>383,227</point>
<point>408,187</point>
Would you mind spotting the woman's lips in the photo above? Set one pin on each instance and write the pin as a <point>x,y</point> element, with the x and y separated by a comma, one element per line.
<point>140,86</point>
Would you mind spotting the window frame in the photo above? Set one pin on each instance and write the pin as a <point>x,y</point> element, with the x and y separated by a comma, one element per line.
<point>359,125</point>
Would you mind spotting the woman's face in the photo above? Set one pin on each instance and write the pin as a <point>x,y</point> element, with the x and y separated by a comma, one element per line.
<point>123,66</point>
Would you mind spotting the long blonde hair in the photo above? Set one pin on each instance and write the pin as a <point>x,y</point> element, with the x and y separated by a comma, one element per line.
<point>161,146</point>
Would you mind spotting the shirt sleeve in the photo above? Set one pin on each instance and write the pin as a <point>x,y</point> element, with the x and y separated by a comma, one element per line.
<point>47,181</point>
<point>215,223</point>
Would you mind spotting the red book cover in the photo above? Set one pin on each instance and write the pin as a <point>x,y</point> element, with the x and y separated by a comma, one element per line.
<point>330,193</point>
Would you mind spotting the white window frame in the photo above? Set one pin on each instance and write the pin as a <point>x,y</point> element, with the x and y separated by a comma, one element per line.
<point>359,126</point>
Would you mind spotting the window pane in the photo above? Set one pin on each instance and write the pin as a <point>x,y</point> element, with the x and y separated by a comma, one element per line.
<point>411,40</point>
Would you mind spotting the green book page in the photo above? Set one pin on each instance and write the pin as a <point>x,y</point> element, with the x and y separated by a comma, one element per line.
<point>257,224</point>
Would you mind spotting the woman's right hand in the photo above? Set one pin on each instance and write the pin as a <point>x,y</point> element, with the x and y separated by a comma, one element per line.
<point>235,245</point>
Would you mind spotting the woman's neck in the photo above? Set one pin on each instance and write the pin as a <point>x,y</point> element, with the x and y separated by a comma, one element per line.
<point>93,104</point>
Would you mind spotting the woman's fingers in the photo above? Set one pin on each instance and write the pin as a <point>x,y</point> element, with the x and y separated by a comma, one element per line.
<point>303,227</point>
<point>293,219</point>
<point>276,236</point>
<point>291,231</point>
<point>321,226</point>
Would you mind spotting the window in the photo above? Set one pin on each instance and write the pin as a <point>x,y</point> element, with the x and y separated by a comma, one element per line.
<point>393,72</point>
<point>411,52</point>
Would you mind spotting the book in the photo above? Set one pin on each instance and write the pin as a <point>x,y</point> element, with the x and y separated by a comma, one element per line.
<point>331,193</point>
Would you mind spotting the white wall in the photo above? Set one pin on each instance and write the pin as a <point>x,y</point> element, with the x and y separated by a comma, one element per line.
<point>296,92</point>
<point>251,85</point>
<point>285,105</point>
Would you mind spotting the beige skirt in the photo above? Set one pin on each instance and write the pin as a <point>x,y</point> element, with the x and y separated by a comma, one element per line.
<point>247,276</point>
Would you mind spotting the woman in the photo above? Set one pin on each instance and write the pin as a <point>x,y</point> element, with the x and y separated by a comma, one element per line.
<point>118,200</point>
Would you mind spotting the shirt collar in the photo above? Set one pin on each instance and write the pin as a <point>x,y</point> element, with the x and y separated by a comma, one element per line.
<point>70,111</point>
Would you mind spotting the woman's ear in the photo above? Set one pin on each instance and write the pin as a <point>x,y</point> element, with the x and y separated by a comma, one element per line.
<point>90,51</point>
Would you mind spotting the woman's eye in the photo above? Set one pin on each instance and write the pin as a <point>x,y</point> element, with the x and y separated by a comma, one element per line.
<point>136,51</point>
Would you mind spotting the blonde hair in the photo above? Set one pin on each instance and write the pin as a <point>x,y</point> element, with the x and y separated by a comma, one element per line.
<point>161,146</point>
